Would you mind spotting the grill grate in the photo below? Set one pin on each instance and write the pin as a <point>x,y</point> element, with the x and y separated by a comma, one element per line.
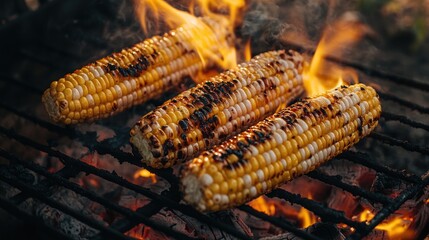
<point>169,199</point>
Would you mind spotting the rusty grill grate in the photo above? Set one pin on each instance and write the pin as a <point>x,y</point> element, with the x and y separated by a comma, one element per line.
<point>169,199</point>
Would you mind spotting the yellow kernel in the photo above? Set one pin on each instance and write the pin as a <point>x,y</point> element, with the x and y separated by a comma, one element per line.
<point>68,93</point>
<point>68,84</point>
<point>240,184</point>
<point>96,110</point>
<point>283,150</point>
<point>261,161</point>
<point>232,184</point>
<point>83,114</point>
<point>84,89</point>
<point>212,169</point>
<point>300,141</point>
<point>109,106</point>
<point>240,171</point>
<point>232,158</point>
<point>294,160</point>
<point>77,105</point>
<point>71,106</point>
<point>84,102</point>
<point>80,79</point>
<point>91,87</point>
<point>224,187</point>
<point>97,84</point>
<point>247,166</point>
<point>90,112</point>
<point>231,174</point>
<point>172,116</point>
<point>102,109</point>
<point>76,115</point>
<point>103,97</point>
<point>54,84</point>
<point>109,95</point>
<point>214,188</point>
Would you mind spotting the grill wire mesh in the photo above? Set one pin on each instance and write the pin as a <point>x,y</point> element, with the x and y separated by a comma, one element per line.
<point>55,60</point>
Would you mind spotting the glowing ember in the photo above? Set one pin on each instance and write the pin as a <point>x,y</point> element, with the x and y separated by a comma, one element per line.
<point>225,54</point>
<point>395,226</point>
<point>143,173</point>
<point>319,77</point>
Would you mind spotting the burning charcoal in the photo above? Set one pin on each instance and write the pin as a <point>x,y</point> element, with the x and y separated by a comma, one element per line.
<point>343,201</point>
<point>64,222</point>
<point>321,230</point>
<point>260,228</point>
<point>350,173</point>
<point>326,231</point>
<point>189,226</point>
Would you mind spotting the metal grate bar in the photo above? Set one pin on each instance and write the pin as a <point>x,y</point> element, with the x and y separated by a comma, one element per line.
<point>404,103</point>
<point>365,160</point>
<point>279,223</point>
<point>124,155</point>
<point>66,131</point>
<point>89,140</point>
<point>357,191</point>
<point>388,210</point>
<point>13,209</point>
<point>124,225</point>
<point>403,119</point>
<point>92,196</point>
<point>401,143</point>
<point>20,84</point>
<point>324,212</point>
<point>67,160</point>
<point>11,180</point>
<point>65,172</point>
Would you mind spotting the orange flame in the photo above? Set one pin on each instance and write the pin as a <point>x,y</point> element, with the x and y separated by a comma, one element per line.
<point>320,77</point>
<point>145,174</point>
<point>273,207</point>
<point>225,55</point>
<point>247,51</point>
<point>395,227</point>
<point>306,217</point>
<point>261,205</point>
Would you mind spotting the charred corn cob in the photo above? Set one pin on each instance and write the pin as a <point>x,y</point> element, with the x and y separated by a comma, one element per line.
<point>287,144</point>
<point>217,109</point>
<point>133,75</point>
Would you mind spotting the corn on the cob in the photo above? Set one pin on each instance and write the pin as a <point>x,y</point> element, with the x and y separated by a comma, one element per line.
<point>287,144</point>
<point>217,109</point>
<point>133,75</point>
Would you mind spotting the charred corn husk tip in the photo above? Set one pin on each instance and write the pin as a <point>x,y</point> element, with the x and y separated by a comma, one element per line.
<point>133,75</point>
<point>217,109</point>
<point>287,144</point>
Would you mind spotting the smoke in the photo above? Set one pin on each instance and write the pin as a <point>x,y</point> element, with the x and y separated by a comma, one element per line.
<point>268,22</point>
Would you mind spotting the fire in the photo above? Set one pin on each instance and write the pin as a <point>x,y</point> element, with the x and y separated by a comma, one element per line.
<point>223,12</point>
<point>395,227</point>
<point>247,51</point>
<point>273,207</point>
<point>261,205</point>
<point>145,174</point>
<point>320,76</point>
<point>306,217</point>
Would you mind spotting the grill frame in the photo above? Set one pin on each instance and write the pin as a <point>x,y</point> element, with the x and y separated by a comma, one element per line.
<point>168,199</point>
